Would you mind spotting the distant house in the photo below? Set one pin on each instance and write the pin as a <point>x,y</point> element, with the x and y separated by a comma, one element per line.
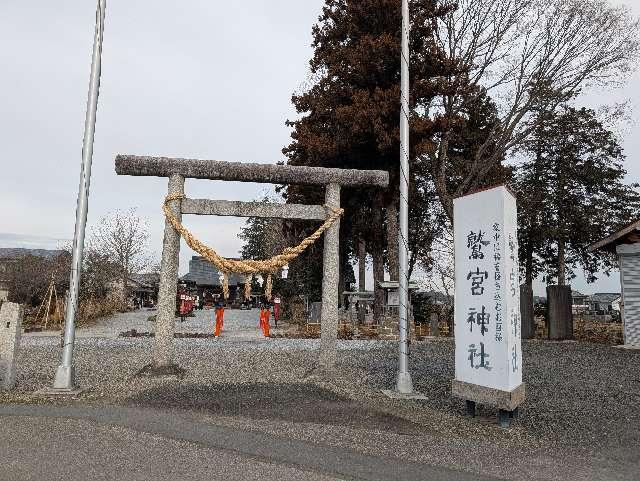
<point>580,302</point>
<point>602,303</point>
<point>205,278</point>
<point>616,305</point>
<point>144,287</point>
<point>539,301</point>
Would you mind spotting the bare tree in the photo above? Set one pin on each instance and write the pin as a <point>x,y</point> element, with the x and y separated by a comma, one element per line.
<point>438,264</point>
<point>29,276</point>
<point>121,240</point>
<point>522,53</point>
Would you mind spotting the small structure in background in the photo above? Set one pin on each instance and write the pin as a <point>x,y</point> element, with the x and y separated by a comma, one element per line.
<point>144,288</point>
<point>625,244</point>
<point>11,316</point>
<point>359,306</point>
<point>580,304</point>
<point>601,303</point>
<point>392,296</point>
<point>205,282</point>
<point>601,306</point>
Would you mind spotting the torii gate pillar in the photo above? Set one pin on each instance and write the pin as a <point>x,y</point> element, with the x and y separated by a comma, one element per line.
<point>330,278</point>
<point>165,320</point>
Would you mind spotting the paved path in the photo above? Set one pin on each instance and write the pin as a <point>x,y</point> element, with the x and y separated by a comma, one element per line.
<point>80,443</point>
<point>238,325</point>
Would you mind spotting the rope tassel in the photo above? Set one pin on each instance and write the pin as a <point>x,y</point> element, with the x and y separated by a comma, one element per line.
<point>268,286</point>
<point>247,287</point>
<point>247,266</point>
<point>225,286</point>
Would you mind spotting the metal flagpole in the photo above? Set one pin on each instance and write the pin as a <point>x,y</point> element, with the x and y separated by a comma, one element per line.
<point>404,384</point>
<point>64,380</point>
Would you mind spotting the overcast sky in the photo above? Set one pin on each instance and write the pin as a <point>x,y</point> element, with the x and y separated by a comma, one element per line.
<point>209,80</point>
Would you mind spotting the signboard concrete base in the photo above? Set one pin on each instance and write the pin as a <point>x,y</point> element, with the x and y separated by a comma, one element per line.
<point>506,400</point>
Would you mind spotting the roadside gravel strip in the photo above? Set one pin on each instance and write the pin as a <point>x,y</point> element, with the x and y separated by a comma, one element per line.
<point>580,420</point>
<point>261,447</point>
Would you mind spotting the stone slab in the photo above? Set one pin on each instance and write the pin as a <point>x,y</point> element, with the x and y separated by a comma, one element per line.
<point>53,392</point>
<point>11,316</point>
<point>629,347</point>
<point>247,172</point>
<point>393,394</point>
<point>507,400</point>
<point>315,312</point>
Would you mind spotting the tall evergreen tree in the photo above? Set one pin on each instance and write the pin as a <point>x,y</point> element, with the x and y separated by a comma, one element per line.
<point>571,193</point>
<point>351,117</point>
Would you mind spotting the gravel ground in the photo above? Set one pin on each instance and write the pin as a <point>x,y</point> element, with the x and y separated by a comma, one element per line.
<point>106,455</point>
<point>580,419</point>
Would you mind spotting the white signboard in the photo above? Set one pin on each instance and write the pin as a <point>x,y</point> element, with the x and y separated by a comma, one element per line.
<point>393,298</point>
<point>487,290</point>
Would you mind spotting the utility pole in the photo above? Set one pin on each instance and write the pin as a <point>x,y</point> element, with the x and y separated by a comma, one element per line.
<point>64,382</point>
<point>404,384</point>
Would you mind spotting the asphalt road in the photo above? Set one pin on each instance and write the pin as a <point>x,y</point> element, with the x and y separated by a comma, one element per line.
<point>91,443</point>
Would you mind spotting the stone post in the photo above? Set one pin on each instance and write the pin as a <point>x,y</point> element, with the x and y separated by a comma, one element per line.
<point>330,275</point>
<point>559,314</point>
<point>527,317</point>
<point>435,324</point>
<point>11,316</point>
<point>165,321</point>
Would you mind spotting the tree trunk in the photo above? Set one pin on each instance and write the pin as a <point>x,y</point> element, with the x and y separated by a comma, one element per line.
<point>562,276</point>
<point>559,314</point>
<point>527,318</point>
<point>392,239</point>
<point>528,266</point>
<point>342,277</point>
<point>378,276</point>
<point>377,253</point>
<point>123,292</point>
<point>362,265</point>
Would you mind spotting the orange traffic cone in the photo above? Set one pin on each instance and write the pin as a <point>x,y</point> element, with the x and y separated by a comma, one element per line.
<point>267,314</point>
<point>264,321</point>
<point>219,321</point>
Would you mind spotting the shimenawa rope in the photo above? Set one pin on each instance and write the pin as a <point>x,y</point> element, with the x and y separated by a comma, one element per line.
<point>247,266</point>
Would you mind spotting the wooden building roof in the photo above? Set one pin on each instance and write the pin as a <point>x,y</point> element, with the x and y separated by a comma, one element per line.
<point>627,235</point>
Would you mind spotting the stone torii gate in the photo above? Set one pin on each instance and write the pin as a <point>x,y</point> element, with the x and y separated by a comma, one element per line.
<point>177,170</point>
